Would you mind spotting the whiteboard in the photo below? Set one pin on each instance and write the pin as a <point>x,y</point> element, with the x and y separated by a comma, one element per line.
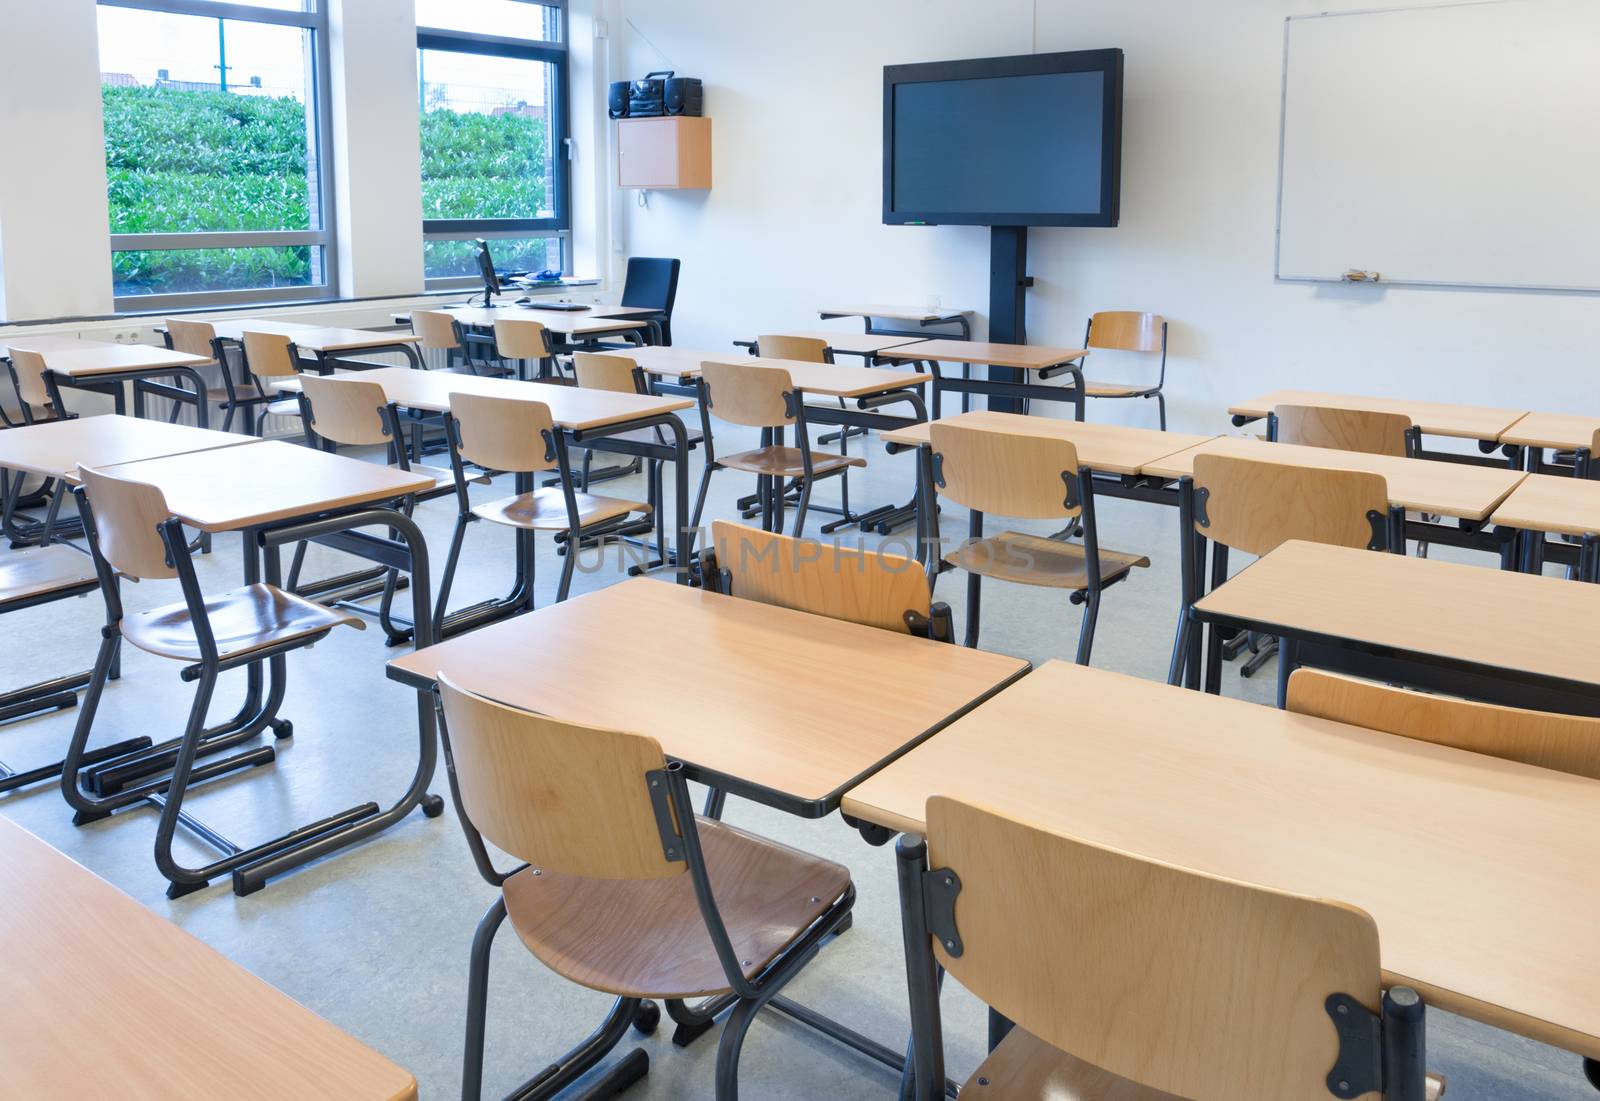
<point>1443,145</point>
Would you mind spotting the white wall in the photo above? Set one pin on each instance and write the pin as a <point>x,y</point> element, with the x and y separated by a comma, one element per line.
<point>53,212</point>
<point>377,153</point>
<point>794,218</point>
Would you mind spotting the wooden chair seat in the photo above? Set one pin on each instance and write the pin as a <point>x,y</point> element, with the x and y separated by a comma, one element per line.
<point>646,938</point>
<point>251,618</point>
<point>284,407</point>
<point>27,574</point>
<point>242,392</point>
<point>1036,560</point>
<point>1025,1068</point>
<point>546,510</point>
<point>786,462</point>
<point>1114,389</point>
<point>443,478</point>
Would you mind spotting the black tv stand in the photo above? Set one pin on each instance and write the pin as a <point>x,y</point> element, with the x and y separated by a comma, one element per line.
<point>488,302</point>
<point>1008,304</point>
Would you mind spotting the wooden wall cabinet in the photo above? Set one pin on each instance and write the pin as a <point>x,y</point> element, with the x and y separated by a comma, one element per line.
<point>666,153</point>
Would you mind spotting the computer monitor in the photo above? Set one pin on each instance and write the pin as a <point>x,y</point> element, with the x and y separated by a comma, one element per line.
<point>491,281</point>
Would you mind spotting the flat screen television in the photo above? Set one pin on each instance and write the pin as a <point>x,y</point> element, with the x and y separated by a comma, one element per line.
<point>1009,141</point>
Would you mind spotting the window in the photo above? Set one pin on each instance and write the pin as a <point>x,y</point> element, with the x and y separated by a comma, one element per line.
<point>215,163</point>
<point>492,96</point>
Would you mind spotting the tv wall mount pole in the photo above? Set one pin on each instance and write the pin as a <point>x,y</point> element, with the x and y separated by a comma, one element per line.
<point>1008,305</point>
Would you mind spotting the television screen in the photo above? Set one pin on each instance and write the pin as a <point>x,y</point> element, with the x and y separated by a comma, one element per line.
<point>1031,140</point>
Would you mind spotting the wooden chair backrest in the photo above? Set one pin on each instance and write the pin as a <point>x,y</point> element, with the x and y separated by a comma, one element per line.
<point>503,433</point>
<point>266,355</point>
<point>30,368</point>
<point>436,328</point>
<point>346,410</point>
<point>520,338</point>
<point>596,371</point>
<point>1199,986</point>
<point>571,799</point>
<point>1005,474</point>
<point>1344,429</point>
<point>1594,444</point>
<point>860,586</point>
<point>127,515</point>
<point>1255,505</point>
<point>806,349</point>
<point>1565,743</point>
<point>742,393</point>
<point>1126,331</point>
<point>191,337</point>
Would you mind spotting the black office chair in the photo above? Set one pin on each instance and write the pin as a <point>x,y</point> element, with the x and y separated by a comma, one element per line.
<point>652,283</point>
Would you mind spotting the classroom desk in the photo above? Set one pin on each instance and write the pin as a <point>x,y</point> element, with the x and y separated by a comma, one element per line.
<point>1472,867</point>
<point>328,345</point>
<point>1020,358</point>
<point>834,380</point>
<point>106,998</point>
<point>571,324</point>
<point>1545,503</point>
<point>53,449</point>
<point>923,319</point>
<point>1510,638</point>
<point>1466,422</point>
<point>101,367</point>
<point>734,711</point>
<point>865,345</point>
<point>1539,432</point>
<point>595,419</point>
<point>273,494</point>
<point>1466,492</point>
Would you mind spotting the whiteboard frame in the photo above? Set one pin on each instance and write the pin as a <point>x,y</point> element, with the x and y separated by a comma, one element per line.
<point>1382,281</point>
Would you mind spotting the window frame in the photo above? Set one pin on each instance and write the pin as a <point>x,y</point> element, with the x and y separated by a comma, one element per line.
<point>559,225</point>
<point>315,21</point>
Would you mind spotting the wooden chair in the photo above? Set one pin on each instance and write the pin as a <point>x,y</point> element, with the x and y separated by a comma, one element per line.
<point>1253,506</point>
<point>805,349</point>
<point>1565,743</point>
<point>1133,980</point>
<point>1129,331</point>
<point>607,832</point>
<point>199,338</point>
<point>269,360</point>
<point>522,339</point>
<point>519,437</point>
<point>1034,478</point>
<point>764,398</point>
<point>132,533</point>
<point>881,590</point>
<point>38,398</point>
<point>442,332</point>
<point>1344,429</point>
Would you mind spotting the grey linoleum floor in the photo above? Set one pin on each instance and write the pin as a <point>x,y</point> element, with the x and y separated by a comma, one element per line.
<point>376,938</point>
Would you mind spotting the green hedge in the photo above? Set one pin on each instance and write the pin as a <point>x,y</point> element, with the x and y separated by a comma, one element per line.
<point>182,161</point>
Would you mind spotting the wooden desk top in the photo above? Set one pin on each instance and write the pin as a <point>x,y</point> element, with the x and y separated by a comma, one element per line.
<point>1027,356</point>
<point>734,702</point>
<point>853,343</point>
<point>1112,448</point>
<point>313,338</point>
<point>86,358</point>
<point>105,997</point>
<point>828,379</point>
<point>572,407</point>
<point>1562,431</point>
<point>1466,862</point>
<point>1462,613</point>
<point>894,313</point>
<point>602,310</point>
<point>1422,485</point>
<point>54,449</point>
<point>570,322</point>
<point>1471,422</point>
<point>258,483</point>
<point>1546,502</point>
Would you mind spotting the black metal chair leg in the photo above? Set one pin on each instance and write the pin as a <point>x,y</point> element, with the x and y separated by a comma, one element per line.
<point>446,581</point>
<point>974,593</point>
<point>700,501</point>
<point>167,828</point>
<point>728,1048</point>
<point>568,565</point>
<point>802,505</point>
<point>1091,613</point>
<point>478,1000</point>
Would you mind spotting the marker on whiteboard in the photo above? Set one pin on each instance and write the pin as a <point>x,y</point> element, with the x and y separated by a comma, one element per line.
<point>1356,276</point>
